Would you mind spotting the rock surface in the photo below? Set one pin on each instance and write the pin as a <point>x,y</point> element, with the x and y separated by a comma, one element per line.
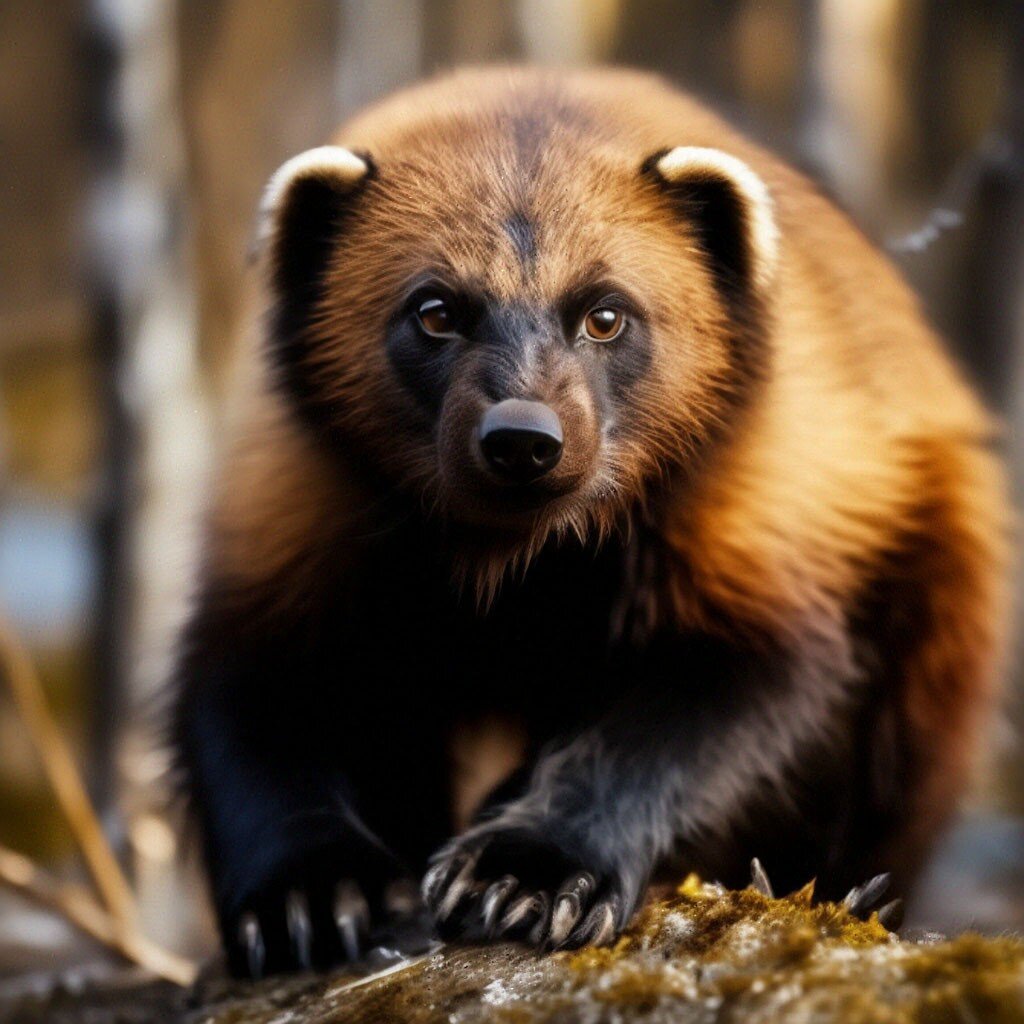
<point>699,956</point>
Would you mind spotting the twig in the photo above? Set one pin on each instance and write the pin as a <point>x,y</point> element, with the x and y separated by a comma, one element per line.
<point>64,778</point>
<point>957,191</point>
<point>113,925</point>
<point>387,972</point>
<point>82,911</point>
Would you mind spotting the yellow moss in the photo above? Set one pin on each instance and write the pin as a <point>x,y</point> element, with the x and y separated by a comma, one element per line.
<point>804,895</point>
<point>691,886</point>
<point>744,950</point>
<point>705,953</point>
<point>597,957</point>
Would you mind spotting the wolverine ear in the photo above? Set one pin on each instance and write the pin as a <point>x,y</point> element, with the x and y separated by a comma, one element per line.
<point>730,208</point>
<point>303,206</point>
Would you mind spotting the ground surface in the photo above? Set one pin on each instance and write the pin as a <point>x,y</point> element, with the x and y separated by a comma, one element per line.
<point>700,956</point>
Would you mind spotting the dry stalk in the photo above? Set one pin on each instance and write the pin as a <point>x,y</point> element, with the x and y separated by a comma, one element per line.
<point>78,907</point>
<point>114,923</point>
<point>64,778</point>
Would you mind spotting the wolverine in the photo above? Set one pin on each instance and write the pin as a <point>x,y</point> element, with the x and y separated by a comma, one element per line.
<point>595,505</point>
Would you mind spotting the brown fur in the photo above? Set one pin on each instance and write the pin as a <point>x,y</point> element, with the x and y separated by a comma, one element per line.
<point>825,477</point>
<point>852,454</point>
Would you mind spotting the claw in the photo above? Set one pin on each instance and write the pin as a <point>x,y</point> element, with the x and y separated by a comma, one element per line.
<point>250,937</point>
<point>565,916</point>
<point>351,917</point>
<point>515,913</point>
<point>443,876</point>
<point>494,900</point>
<point>571,901</point>
<point>300,928</point>
<point>890,917</point>
<point>861,898</point>
<point>759,879</point>
<point>521,912</point>
<point>431,883</point>
<point>599,926</point>
<point>542,908</point>
<point>459,886</point>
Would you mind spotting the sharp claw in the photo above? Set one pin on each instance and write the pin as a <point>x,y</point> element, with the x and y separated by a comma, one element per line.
<point>250,936</point>
<point>300,929</point>
<point>460,885</point>
<point>542,908</point>
<point>517,913</point>
<point>599,926</point>
<point>431,883</point>
<point>862,898</point>
<point>348,931</point>
<point>351,917</point>
<point>494,900</point>
<point>890,916</point>
<point>875,889</point>
<point>565,916</point>
<point>439,880</point>
<point>570,902</point>
<point>759,879</point>
<point>850,899</point>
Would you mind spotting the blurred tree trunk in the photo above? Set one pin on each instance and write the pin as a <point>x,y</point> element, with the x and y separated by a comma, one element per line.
<point>690,43</point>
<point>101,69</point>
<point>992,275</point>
<point>467,32</point>
<point>155,417</point>
<point>380,49</point>
<point>993,288</point>
<point>256,82</point>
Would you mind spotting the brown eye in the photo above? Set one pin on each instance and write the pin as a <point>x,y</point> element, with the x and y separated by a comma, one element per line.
<point>603,323</point>
<point>436,317</point>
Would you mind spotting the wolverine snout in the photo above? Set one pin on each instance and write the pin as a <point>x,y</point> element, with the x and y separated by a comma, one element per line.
<point>521,441</point>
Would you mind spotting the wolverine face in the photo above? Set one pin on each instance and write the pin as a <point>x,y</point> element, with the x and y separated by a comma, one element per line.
<point>521,394</point>
<point>518,317</point>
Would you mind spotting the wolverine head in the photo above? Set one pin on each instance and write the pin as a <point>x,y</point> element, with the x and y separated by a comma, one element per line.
<point>519,298</point>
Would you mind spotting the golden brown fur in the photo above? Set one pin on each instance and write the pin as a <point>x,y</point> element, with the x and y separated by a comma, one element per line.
<point>862,414</point>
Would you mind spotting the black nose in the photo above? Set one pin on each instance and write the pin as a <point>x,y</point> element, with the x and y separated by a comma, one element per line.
<point>521,440</point>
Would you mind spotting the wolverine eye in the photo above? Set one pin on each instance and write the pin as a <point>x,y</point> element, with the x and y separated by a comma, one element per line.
<point>603,324</point>
<point>436,317</point>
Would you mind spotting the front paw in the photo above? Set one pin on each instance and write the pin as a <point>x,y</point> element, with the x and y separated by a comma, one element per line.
<point>315,908</point>
<point>533,882</point>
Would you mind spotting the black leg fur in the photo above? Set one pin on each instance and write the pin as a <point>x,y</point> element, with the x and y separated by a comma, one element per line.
<point>289,776</point>
<point>315,750</point>
<point>711,732</point>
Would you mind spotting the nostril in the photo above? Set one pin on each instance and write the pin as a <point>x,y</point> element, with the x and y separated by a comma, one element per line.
<point>544,450</point>
<point>520,440</point>
<point>499,448</point>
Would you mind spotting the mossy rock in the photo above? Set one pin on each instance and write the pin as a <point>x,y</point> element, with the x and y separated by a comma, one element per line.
<point>702,955</point>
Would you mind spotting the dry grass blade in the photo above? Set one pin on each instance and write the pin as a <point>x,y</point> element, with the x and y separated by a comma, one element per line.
<point>82,911</point>
<point>112,924</point>
<point>63,776</point>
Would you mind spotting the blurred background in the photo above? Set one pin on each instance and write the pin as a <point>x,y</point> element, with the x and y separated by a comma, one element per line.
<point>135,137</point>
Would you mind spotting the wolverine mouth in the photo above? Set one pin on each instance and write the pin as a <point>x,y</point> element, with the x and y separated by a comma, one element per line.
<point>506,506</point>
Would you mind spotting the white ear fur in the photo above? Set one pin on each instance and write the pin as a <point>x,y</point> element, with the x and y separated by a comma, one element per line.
<point>701,163</point>
<point>329,163</point>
